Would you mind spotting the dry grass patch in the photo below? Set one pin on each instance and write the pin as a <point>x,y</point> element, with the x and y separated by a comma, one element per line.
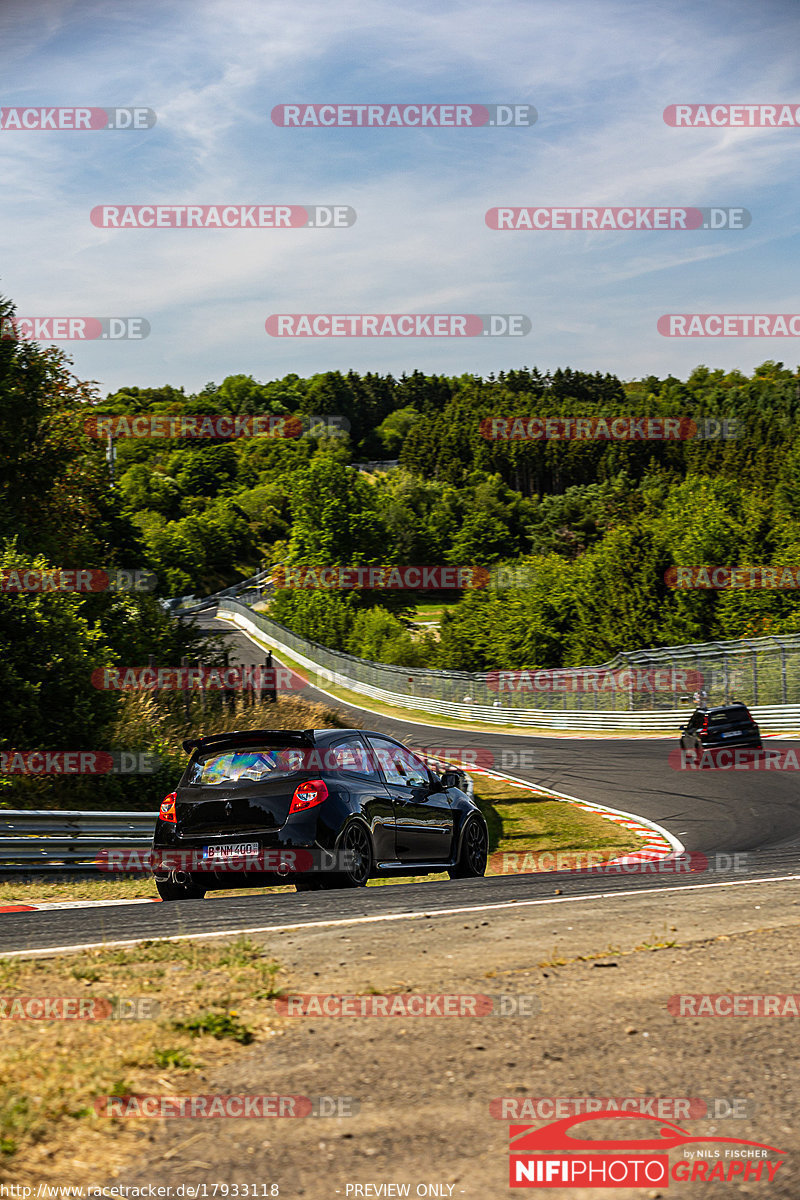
<point>212,1000</point>
<point>37,891</point>
<point>147,722</point>
<point>520,822</point>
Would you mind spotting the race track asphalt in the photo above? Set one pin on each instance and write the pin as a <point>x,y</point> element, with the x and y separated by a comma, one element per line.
<point>746,822</point>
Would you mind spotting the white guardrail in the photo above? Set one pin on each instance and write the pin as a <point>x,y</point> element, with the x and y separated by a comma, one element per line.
<point>780,717</point>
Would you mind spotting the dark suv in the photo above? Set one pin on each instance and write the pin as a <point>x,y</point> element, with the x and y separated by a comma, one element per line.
<point>713,728</point>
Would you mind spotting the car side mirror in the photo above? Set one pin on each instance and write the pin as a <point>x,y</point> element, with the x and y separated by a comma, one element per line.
<point>451,779</point>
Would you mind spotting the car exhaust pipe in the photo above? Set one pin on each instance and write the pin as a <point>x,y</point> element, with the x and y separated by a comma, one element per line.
<point>182,877</point>
<point>283,868</point>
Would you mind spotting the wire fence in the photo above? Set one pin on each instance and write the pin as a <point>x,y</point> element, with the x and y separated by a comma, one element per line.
<point>660,683</point>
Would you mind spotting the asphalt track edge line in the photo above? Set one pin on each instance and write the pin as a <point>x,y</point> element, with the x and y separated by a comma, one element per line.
<point>402,916</point>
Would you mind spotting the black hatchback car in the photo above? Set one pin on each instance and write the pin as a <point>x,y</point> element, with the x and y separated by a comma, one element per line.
<point>715,728</point>
<point>314,807</point>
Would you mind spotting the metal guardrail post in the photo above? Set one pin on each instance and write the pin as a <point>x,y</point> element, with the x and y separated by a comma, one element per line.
<point>228,694</point>
<point>272,692</point>
<point>755,676</point>
<point>187,697</point>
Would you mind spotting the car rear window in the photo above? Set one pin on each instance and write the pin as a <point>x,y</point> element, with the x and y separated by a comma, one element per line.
<point>727,715</point>
<point>245,766</point>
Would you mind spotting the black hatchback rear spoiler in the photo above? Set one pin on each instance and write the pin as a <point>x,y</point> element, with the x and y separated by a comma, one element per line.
<point>278,738</point>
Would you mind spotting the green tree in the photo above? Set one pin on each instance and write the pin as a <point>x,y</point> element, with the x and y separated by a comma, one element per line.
<point>321,616</point>
<point>393,430</point>
<point>481,539</point>
<point>335,517</point>
<point>50,649</point>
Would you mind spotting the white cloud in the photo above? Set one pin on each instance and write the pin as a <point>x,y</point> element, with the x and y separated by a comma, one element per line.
<point>599,72</point>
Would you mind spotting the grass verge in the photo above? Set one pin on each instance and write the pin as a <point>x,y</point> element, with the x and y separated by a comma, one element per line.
<point>524,823</point>
<point>34,891</point>
<point>205,1002</point>
<point>527,824</point>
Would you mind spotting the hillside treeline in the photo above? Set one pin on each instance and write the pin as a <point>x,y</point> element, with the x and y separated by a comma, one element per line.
<point>585,530</point>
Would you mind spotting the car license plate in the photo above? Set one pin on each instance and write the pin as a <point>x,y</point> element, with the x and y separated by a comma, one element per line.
<point>237,850</point>
<point>734,733</point>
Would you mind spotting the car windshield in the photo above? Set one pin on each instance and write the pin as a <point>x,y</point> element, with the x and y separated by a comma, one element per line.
<point>251,765</point>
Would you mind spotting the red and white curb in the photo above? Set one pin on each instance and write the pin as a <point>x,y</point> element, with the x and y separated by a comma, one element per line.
<point>52,905</point>
<point>657,842</point>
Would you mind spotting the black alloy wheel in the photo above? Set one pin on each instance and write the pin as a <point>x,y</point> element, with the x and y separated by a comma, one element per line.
<point>473,853</point>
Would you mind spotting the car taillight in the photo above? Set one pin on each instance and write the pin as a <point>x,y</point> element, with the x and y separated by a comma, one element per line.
<point>167,810</point>
<point>307,795</point>
<point>704,727</point>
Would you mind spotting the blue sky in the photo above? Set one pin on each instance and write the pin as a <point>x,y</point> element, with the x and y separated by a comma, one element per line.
<point>600,75</point>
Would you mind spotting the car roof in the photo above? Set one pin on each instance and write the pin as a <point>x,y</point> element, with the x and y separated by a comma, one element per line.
<point>726,707</point>
<point>326,734</point>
